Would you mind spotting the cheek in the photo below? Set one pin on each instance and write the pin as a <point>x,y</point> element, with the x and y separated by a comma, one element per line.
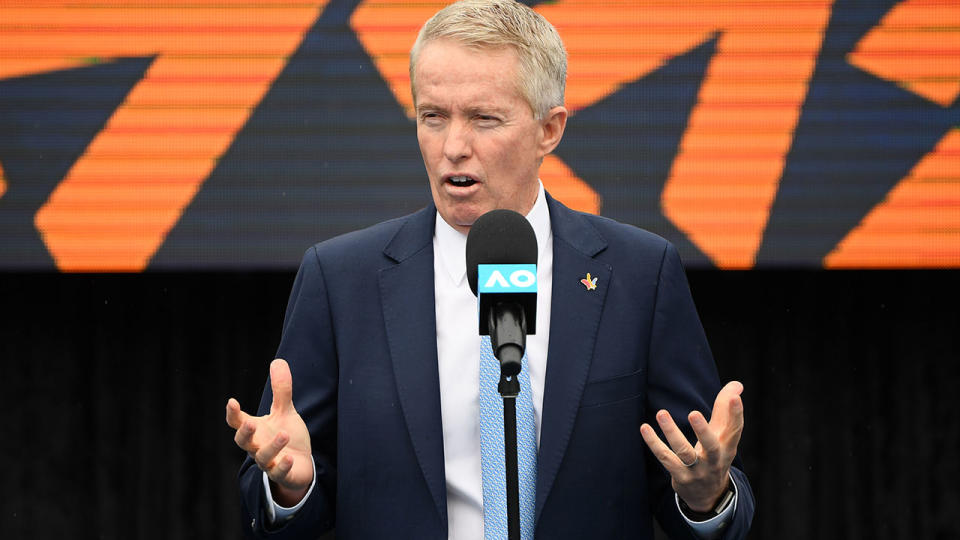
<point>518,158</point>
<point>426,149</point>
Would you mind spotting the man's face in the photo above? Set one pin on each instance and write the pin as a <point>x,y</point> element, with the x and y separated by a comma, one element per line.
<point>481,144</point>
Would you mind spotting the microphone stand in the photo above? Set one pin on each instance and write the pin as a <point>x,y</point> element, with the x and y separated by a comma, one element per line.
<point>509,387</point>
<point>508,338</point>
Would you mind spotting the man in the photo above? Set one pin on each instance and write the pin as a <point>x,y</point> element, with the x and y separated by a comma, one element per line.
<point>373,425</point>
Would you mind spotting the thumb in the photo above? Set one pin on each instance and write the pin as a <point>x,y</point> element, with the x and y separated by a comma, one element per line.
<point>727,404</point>
<point>734,387</point>
<point>281,382</point>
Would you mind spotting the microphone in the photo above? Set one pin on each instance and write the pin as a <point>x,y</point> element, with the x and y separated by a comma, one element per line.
<point>502,272</point>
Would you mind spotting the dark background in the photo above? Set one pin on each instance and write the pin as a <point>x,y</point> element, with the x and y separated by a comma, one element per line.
<point>114,412</point>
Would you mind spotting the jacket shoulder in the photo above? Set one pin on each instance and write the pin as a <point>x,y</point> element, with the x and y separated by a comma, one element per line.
<point>616,232</point>
<point>605,237</point>
<point>374,243</point>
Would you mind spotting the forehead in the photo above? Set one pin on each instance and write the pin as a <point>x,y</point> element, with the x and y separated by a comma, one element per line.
<point>449,70</point>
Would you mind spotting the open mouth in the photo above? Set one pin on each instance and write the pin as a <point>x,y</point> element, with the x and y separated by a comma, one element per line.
<point>461,181</point>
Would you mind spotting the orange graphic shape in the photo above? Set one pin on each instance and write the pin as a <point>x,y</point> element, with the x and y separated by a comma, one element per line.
<point>917,224</point>
<point>566,187</point>
<point>214,61</point>
<point>917,46</point>
<point>3,182</point>
<point>725,176</point>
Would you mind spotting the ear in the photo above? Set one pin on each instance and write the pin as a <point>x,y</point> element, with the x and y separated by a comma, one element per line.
<point>551,129</point>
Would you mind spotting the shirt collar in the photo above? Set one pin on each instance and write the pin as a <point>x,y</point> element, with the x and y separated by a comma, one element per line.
<point>450,245</point>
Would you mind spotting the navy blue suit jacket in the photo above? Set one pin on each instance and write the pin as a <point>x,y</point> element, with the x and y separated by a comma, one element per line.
<point>359,334</point>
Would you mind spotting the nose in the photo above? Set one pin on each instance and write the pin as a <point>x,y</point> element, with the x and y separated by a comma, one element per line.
<point>458,144</point>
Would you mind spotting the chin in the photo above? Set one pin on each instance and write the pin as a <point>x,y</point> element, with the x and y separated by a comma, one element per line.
<point>465,223</point>
<point>465,218</point>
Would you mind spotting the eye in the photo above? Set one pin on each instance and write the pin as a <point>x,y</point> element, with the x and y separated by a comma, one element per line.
<point>487,120</point>
<point>431,118</point>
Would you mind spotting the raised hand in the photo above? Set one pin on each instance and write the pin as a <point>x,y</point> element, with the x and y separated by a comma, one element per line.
<point>279,442</point>
<point>700,473</point>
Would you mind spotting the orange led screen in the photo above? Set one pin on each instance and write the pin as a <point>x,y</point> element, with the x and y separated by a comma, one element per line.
<point>205,134</point>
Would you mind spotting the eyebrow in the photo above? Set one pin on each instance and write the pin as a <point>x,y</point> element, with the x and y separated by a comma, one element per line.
<point>471,111</point>
<point>485,110</point>
<point>429,107</point>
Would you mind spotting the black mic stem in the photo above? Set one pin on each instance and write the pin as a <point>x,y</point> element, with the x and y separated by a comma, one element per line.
<point>508,336</point>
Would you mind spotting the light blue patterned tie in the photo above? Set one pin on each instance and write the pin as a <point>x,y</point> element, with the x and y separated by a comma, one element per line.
<point>491,449</point>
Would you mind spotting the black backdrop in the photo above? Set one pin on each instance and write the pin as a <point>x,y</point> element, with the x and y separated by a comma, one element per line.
<point>114,388</point>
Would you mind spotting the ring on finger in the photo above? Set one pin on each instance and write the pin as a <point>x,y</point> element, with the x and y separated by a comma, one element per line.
<point>696,459</point>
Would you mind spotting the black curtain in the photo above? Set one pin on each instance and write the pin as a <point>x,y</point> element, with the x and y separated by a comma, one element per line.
<point>115,387</point>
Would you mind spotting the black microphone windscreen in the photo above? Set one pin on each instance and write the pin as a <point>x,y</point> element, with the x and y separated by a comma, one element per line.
<point>499,237</point>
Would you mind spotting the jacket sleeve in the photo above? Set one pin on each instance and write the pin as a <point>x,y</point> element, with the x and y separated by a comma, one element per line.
<point>308,345</point>
<point>682,378</point>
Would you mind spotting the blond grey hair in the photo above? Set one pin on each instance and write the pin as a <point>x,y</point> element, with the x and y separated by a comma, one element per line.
<point>495,24</point>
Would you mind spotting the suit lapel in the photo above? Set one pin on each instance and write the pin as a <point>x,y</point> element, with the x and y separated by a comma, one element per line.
<point>409,315</point>
<point>574,320</point>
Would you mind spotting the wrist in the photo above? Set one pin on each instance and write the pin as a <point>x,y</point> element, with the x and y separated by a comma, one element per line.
<point>710,510</point>
<point>287,497</point>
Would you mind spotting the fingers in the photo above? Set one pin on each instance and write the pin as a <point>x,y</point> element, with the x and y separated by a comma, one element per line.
<point>678,441</point>
<point>280,471</point>
<point>676,457</point>
<point>281,382</point>
<point>660,450</point>
<point>245,425</point>
<point>235,415</point>
<point>712,451</point>
<point>265,455</point>
<point>244,436</point>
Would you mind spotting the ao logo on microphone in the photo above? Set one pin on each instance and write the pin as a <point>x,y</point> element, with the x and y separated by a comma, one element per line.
<point>507,278</point>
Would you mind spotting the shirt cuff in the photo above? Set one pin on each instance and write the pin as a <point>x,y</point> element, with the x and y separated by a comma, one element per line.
<point>279,514</point>
<point>715,526</point>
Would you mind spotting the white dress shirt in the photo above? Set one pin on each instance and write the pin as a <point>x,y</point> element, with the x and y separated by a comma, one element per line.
<point>458,353</point>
